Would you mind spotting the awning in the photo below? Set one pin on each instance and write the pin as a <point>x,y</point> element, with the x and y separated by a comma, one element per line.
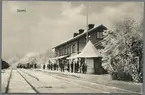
<point>52,60</point>
<point>89,51</point>
<point>60,57</point>
<point>72,57</point>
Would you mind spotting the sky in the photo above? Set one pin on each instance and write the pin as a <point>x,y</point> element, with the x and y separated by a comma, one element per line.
<point>48,23</point>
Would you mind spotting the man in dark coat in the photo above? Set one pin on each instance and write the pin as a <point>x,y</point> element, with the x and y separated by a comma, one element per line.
<point>68,67</point>
<point>83,68</point>
<point>62,67</point>
<point>47,66</point>
<point>35,65</point>
<point>50,66</point>
<point>72,66</point>
<point>77,66</point>
<point>81,65</point>
<point>44,66</point>
<point>54,66</point>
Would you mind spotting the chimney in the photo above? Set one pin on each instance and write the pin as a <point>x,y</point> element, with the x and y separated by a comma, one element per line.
<point>75,34</point>
<point>90,26</point>
<point>81,31</point>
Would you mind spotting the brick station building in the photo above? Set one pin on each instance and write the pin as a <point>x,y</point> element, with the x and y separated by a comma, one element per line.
<point>76,44</point>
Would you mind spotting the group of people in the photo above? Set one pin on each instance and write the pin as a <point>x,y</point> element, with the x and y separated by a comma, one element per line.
<point>77,67</point>
<point>51,66</point>
<point>27,66</point>
<point>74,66</point>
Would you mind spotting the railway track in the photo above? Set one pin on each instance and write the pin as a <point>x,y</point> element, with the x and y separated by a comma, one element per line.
<point>67,80</point>
<point>7,86</point>
<point>29,83</point>
<point>38,85</point>
<point>7,90</point>
<point>30,75</point>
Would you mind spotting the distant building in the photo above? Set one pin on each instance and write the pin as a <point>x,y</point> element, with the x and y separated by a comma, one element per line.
<point>76,44</point>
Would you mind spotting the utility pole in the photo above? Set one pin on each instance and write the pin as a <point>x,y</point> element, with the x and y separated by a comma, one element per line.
<point>87,35</point>
<point>87,21</point>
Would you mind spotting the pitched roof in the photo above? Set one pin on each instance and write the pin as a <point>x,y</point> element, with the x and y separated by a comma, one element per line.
<point>80,35</point>
<point>89,51</point>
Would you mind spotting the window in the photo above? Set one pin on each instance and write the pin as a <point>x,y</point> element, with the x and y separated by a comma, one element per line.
<point>73,48</point>
<point>59,52</point>
<point>70,49</point>
<point>67,49</point>
<point>99,34</point>
<point>56,53</point>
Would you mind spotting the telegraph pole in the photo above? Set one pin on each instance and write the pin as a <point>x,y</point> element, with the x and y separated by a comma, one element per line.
<point>87,35</point>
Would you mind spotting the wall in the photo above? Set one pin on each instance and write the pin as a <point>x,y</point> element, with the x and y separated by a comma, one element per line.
<point>82,43</point>
<point>90,65</point>
<point>68,50</point>
<point>98,65</point>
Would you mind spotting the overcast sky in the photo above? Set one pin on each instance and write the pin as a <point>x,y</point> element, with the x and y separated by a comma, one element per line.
<point>46,24</point>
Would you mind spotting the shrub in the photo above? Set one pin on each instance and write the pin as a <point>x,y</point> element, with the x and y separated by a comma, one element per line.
<point>123,76</point>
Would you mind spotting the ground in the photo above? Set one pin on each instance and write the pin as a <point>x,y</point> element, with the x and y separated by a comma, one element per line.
<point>45,81</point>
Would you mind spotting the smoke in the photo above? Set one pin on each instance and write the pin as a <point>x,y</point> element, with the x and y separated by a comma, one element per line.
<point>30,56</point>
<point>35,57</point>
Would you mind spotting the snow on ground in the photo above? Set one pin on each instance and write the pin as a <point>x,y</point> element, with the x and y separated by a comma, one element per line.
<point>18,84</point>
<point>88,83</point>
<point>46,81</point>
<point>4,79</point>
<point>50,84</point>
<point>102,79</point>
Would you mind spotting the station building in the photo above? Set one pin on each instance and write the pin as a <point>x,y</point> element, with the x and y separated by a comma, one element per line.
<point>76,44</point>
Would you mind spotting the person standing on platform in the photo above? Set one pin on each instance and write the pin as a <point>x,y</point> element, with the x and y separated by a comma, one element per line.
<point>61,66</point>
<point>50,66</point>
<point>83,68</point>
<point>47,66</point>
<point>44,66</point>
<point>56,66</point>
<point>35,66</point>
<point>75,67</point>
<point>72,66</point>
<point>81,65</point>
<point>68,67</point>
